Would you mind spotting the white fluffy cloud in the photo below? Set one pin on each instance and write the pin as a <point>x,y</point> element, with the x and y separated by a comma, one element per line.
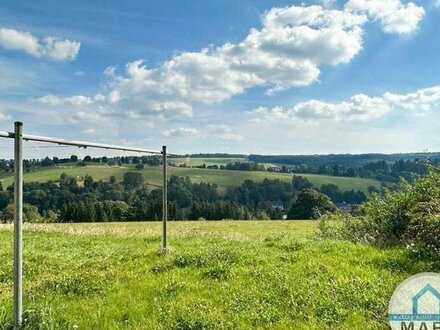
<point>359,107</point>
<point>394,16</point>
<point>50,47</point>
<point>293,43</point>
<point>420,100</point>
<point>287,51</point>
<point>221,132</point>
<point>181,132</point>
<point>224,132</point>
<point>77,100</point>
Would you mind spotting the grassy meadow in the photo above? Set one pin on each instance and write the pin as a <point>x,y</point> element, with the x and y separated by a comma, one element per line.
<point>153,175</point>
<point>218,275</point>
<point>195,161</point>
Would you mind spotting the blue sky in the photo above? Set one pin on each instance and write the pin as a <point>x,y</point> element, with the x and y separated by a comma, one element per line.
<point>272,77</point>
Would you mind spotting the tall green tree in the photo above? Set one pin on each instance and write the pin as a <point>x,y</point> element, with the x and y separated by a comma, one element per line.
<point>300,183</point>
<point>132,180</point>
<point>311,204</point>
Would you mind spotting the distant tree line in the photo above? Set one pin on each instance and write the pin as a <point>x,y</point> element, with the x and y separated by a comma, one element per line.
<point>378,170</point>
<point>385,168</point>
<point>389,169</point>
<point>350,160</point>
<point>87,200</point>
<point>30,165</point>
<point>236,166</point>
<point>208,155</point>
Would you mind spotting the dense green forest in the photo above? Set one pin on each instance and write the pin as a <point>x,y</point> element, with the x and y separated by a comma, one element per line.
<point>385,168</point>
<point>380,170</point>
<point>381,167</point>
<point>74,199</point>
<point>342,159</point>
<point>7,165</point>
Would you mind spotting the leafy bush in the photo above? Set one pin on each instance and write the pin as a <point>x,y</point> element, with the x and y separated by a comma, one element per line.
<point>50,216</point>
<point>409,215</point>
<point>311,204</point>
<point>262,216</point>
<point>30,214</point>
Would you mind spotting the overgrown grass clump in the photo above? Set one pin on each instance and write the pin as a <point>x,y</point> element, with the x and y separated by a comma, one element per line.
<point>228,275</point>
<point>409,216</point>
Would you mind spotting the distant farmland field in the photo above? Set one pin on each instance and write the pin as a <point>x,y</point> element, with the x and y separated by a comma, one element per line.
<point>223,178</point>
<point>218,275</point>
<point>191,161</point>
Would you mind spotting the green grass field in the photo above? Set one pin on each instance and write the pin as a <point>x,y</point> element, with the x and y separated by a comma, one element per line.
<point>193,161</point>
<point>53,173</point>
<point>223,178</point>
<point>218,275</point>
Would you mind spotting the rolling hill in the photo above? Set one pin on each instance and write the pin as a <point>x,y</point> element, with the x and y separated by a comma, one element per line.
<point>153,176</point>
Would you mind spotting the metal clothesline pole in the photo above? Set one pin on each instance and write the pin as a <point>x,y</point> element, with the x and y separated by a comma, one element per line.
<point>18,137</point>
<point>18,225</point>
<point>164,201</point>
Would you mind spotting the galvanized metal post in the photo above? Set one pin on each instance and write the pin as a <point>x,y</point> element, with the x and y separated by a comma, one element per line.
<point>164,200</point>
<point>18,224</point>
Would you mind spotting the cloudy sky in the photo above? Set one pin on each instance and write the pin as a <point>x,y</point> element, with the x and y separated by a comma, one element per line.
<point>248,76</point>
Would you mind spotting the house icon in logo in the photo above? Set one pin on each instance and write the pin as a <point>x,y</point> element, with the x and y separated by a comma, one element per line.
<point>421,293</point>
<point>424,291</point>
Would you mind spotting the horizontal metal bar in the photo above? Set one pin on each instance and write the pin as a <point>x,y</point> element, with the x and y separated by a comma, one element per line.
<point>81,144</point>
<point>6,134</point>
